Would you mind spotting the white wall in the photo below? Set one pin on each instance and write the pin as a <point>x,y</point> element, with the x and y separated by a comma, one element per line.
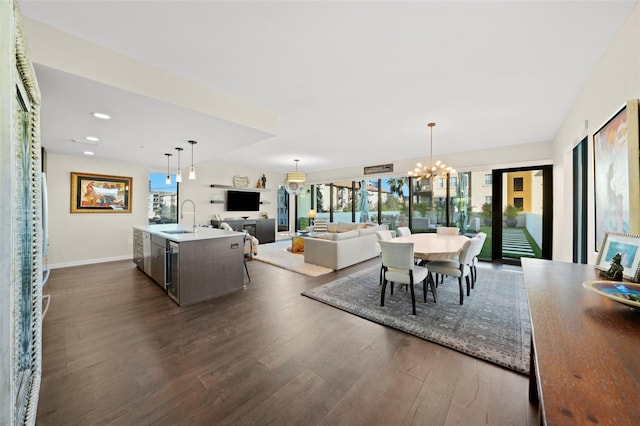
<point>91,237</point>
<point>83,238</point>
<point>615,80</point>
<point>222,174</point>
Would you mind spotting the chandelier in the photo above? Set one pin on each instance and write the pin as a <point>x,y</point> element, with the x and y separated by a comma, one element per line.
<point>294,183</point>
<point>432,170</point>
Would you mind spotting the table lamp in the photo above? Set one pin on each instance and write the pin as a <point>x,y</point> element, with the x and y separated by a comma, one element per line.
<point>311,215</point>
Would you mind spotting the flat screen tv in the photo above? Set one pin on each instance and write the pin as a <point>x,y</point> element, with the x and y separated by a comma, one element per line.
<point>243,201</point>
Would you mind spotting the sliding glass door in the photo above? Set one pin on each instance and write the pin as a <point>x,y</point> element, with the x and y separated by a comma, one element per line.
<point>522,217</point>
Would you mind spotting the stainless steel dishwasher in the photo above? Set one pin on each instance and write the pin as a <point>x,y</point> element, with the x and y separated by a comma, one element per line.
<point>173,271</point>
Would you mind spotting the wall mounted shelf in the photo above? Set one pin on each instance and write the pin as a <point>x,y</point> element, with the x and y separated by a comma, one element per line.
<point>239,188</point>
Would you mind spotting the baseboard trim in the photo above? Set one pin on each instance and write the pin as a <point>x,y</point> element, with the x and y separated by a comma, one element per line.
<point>88,262</point>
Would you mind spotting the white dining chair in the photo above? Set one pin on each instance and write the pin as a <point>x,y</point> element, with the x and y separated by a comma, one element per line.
<point>456,268</point>
<point>474,263</point>
<point>447,230</point>
<point>403,230</point>
<point>383,235</point>
<point>398,267</point>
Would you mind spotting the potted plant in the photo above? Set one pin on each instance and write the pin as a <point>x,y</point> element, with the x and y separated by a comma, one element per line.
<point>511,215</point>
<point>487,213</point>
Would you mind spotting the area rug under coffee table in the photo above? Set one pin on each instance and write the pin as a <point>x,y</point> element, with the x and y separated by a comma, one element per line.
<point>277,254</point>
<point>493,324</point>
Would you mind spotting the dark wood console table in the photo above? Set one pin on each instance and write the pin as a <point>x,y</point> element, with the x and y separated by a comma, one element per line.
<point>585,352</point>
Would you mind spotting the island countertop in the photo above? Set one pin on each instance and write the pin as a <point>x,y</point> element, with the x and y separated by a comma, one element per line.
<point>184,233</point>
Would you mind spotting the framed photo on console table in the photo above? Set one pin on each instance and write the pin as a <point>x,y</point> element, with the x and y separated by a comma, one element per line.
<point>629,248</point>
<point>91,193</point>
<point>617,174</point>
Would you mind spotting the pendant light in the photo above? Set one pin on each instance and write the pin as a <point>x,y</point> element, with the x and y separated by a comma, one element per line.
<point>179,173</point>
<point>168,180</point>
<point>433,170</point>
<point>192,170</point>
<point>294,183</point>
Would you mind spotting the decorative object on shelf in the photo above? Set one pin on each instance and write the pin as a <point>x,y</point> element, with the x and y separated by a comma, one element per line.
<point>239,188</point>
<point>192,170</point>
<point>264,215</point>
<point>92,193</point>
<point>259,184</point>
<point>178,172</point>
<point>617,173</point>
<point>241,181</point>
<point>168,179</point>
<point>424,173</point>
<point>294,183</point>
<point>263,179</point>
<point>621,292</point>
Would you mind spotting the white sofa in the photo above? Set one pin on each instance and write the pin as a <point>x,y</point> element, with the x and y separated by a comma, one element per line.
<point>337,250</point>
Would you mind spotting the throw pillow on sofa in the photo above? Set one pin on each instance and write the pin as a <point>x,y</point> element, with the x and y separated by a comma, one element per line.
<point>345,235</point>
<point>368,231</point>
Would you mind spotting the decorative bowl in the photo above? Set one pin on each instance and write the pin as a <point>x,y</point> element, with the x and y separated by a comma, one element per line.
<point>622,292</point>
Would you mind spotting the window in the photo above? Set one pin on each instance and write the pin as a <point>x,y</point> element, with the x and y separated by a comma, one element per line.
<point>488,199</point>
<point>518,184</point>
<point>163,199</point>
<point>519,203</point>
<point>454,181</point>
<point>488,179</point>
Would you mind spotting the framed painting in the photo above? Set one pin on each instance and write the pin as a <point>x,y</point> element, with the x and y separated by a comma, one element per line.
<point>627,246</point>
<point>91,193</point>
<point>616,156</point>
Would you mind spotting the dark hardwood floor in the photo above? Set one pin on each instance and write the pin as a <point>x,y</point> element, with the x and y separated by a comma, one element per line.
<point>118,351</point>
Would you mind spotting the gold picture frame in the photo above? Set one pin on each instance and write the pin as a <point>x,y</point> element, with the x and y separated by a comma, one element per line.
<point>94,193</point>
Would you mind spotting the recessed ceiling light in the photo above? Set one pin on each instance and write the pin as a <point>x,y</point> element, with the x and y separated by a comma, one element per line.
<point>101,115</point>
<point>92,138</point>
<point>88,153</point>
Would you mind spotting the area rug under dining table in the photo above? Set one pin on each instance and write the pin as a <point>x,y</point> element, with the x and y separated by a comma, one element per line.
<point>493,324</point>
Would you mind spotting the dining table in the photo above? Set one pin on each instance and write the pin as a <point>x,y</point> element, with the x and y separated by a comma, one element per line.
<point>433,246</point>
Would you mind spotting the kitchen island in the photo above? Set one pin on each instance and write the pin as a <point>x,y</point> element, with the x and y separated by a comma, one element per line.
<point>190,265</point>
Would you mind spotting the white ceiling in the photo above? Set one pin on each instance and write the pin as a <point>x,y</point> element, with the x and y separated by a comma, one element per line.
<point>353,82</point>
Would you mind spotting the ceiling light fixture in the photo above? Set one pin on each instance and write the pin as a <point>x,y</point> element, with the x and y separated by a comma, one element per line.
<point>179,173</point>
<point>294,183</point>
<point>88,153</point>
<point>192,170</point>
<point>438,169</point>
<point>168,180</point>
<point>101,115</point>
<point>92,138</point>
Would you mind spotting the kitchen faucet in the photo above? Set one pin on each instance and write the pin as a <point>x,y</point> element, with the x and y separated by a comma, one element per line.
<point>194,212</point>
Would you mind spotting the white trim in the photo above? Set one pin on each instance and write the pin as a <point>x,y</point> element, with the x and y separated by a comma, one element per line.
<point>89,262</point>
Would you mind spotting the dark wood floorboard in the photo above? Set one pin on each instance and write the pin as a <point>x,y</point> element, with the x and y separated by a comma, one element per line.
<point>118,351</point>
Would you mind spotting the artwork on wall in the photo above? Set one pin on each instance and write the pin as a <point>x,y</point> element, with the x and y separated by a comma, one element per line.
<point>617,175</point>
<point>624,247</point>
<point>91,193</point>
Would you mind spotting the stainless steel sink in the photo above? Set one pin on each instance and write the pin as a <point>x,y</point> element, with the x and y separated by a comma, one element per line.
<point>177,231</point>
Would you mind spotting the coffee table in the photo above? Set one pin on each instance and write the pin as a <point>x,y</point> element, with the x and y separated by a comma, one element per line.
<point>297,240</point>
